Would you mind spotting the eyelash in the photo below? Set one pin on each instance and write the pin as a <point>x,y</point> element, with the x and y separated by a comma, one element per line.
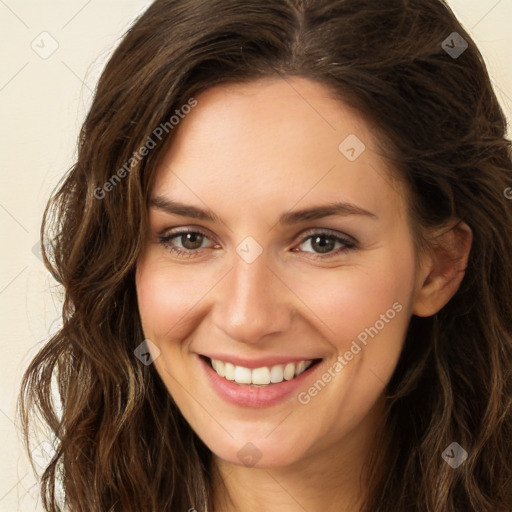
<point>349,244</point>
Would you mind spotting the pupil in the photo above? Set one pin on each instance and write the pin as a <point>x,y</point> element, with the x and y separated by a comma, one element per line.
<point>323,246</point>
<point>190,240</point>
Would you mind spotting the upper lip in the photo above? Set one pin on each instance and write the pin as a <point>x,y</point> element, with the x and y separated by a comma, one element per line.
<point>257,362</point>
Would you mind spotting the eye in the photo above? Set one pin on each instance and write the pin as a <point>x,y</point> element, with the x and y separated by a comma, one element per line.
<point>325,244</point>
<point>186,242</point>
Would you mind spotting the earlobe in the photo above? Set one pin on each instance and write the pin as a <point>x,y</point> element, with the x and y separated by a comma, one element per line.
<point>444,269</point>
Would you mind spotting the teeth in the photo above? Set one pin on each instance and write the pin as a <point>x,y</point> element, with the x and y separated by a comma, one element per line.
<point>289,371</point>
<point>220,368</point>
<point>229,370</point>
<point>276,373</point>
<point>243,375</point>
<point>300,367</point>
<point>260,376</point>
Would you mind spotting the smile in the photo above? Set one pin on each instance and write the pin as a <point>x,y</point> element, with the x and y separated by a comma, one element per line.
<point>258,382</point>
<point>264,376</point>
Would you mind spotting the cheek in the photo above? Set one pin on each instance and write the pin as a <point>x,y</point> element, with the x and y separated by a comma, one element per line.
<point>363,312</point>
<point>356,302</point>
<point>166,298</point>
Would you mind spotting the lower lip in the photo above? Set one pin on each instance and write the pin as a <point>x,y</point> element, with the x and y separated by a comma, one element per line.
<point>256,397</point>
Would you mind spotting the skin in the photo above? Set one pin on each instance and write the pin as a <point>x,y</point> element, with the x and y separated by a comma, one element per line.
<point>249,153</point>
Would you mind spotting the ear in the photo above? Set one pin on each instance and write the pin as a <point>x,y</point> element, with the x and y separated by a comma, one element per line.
<point>442,269</point>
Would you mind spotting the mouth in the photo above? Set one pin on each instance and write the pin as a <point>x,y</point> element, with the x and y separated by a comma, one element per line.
<point>262,377</point>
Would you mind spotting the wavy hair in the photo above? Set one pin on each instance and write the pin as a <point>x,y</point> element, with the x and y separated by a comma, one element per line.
<point>121,442</point>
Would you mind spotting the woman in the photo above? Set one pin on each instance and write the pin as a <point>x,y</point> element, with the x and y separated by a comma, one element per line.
<point>286,253</point>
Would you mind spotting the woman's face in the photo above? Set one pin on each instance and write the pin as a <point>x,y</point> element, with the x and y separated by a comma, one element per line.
<point>299,249</point>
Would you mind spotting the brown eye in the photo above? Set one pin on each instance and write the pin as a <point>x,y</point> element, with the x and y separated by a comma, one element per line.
<point>191,240</point>
<point>185,243</point>
<point>325,243</point>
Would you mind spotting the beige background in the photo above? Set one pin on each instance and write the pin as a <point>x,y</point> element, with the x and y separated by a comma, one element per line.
<point>43,99</point>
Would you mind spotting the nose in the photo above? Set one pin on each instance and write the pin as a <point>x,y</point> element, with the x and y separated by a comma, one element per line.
<point>252,302</point>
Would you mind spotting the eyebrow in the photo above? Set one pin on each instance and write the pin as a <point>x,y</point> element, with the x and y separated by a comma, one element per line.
<point>313,213</point>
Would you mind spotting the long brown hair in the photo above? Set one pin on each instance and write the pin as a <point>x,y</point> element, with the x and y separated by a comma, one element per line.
<point>121,442</point>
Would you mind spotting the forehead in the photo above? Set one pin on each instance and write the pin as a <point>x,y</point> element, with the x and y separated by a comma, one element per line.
<point>274,138</point>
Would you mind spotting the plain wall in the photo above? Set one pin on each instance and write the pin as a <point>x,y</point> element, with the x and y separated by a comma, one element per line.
<point>43,100</point>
